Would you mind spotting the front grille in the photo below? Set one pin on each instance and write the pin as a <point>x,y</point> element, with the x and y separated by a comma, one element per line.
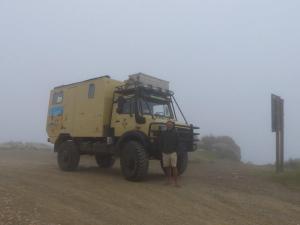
<point>186,135</point>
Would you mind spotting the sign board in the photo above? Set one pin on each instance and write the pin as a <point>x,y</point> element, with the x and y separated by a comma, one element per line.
<point>277,113</point>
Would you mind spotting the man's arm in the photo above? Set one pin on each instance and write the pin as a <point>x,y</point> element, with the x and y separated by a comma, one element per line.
<point>177,141</point>
<point>161,140</point>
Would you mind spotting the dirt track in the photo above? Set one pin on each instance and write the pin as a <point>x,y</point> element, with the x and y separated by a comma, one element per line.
<point>34,191</point>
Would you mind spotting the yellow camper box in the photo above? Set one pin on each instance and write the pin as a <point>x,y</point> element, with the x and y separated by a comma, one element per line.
<point>89,103</point>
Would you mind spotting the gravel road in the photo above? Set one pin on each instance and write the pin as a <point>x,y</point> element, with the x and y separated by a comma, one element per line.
<point>33,191</point>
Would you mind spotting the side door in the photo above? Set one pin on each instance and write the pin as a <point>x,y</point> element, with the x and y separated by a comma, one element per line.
<point>123,118</point>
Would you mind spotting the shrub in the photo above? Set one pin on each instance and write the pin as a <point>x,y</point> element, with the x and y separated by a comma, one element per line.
<point>24,146</point>
<point>224,147</point>
<point>293,164</point>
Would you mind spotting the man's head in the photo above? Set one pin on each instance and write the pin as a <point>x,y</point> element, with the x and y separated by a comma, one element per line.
<point>170,125</point>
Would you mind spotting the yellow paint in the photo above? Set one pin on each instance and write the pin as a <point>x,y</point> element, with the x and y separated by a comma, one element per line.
<point>83,116</point>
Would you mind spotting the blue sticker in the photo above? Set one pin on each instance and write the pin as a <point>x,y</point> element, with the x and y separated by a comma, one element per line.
<point>56,111</point>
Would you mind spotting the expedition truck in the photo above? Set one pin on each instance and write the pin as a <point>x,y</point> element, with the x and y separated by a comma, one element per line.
<point>109,119</point>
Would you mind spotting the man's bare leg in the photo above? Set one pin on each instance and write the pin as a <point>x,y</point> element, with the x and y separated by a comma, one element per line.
<point>175,176</point>
<point>169,175</point>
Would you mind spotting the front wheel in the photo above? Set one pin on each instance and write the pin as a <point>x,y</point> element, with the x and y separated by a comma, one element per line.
<point>134,161</point>
<point>182,162</point>
<point>68,156</point>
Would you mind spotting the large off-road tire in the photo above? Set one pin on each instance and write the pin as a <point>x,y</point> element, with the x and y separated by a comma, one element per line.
<point>104,161</point>
<point>134,161</point>
<point>68,156</point>
<point>182,162</point>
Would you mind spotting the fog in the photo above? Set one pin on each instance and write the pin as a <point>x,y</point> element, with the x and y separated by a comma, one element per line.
<point>223,58</point>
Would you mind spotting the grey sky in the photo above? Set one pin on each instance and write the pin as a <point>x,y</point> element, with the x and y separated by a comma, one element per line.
<point>223,58</point>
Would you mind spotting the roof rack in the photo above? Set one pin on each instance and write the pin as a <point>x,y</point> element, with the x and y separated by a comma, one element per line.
<point>73,84</point>
<point>131,87</point>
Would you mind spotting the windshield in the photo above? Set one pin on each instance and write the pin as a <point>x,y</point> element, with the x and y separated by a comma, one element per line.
<point>156,108</point>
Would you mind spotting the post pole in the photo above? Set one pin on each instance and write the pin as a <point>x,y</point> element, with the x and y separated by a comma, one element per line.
<point>282,137</point>
<point>278,151</point>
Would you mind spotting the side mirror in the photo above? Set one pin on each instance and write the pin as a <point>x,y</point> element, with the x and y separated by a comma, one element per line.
<point>139,119</point>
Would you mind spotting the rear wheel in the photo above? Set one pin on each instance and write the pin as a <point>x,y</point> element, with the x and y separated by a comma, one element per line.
<point>134,161</point>
<point>68,156</point>
<point>105,161</point>
<point>182,162</point>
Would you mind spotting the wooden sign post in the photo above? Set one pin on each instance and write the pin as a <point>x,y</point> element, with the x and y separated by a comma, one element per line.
<point>278,127</point>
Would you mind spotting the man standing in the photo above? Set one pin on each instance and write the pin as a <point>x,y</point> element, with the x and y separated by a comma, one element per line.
<point>169,146</point>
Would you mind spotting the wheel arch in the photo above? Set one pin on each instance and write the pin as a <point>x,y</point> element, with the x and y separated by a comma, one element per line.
<point>138,136</point>
<point>61,138</point>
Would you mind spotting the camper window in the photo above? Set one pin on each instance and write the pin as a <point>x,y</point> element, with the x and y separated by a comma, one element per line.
<point>57,98</point>
<point>91,92</point>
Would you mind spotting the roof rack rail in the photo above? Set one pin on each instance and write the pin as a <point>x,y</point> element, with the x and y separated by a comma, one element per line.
<point>132,86</point>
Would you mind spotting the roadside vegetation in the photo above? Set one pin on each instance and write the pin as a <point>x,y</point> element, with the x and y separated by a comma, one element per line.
<point>14,145</point>
<point>223,147</point>
<point>290,178</point>
<point>212,149</point>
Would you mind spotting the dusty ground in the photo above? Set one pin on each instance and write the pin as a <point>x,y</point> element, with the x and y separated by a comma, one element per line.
<point>34,191</point>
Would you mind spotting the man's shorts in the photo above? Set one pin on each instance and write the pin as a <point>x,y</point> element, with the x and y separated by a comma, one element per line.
<point>170,160</point>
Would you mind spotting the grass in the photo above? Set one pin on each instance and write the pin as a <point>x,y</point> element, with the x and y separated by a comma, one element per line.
<point>289,178</point>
